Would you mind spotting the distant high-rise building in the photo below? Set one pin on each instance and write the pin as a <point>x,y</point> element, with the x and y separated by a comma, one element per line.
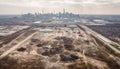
<point>64,11</point>
<point>42,11</point>
<point>54,12</point>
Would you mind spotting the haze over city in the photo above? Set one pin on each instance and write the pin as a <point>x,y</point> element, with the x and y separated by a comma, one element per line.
<point>59,34</point>
<point>74,6</point>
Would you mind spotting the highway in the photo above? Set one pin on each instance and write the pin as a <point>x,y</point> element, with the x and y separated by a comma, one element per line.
<point>16,46</point>
<point>104,40</point>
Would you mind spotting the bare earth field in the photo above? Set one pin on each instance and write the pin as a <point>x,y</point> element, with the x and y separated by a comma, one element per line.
<point>54,48</point>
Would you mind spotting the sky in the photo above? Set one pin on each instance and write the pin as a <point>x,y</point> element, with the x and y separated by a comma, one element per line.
<point>74,6</point>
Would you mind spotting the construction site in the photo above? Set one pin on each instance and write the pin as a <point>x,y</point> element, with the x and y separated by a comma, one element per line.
<point>71,47</point>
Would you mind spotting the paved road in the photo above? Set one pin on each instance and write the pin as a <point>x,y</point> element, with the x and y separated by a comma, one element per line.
<point>16,46</point>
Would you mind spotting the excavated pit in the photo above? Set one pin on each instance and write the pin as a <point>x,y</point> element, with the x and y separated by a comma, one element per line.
<point>66,57</point>
<point>21,49</point>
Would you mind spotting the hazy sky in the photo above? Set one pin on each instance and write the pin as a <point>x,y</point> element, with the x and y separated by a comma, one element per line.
<point>75,6</point>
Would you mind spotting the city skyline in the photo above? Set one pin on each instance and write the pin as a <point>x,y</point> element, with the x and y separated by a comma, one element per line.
<point>74,6</point>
